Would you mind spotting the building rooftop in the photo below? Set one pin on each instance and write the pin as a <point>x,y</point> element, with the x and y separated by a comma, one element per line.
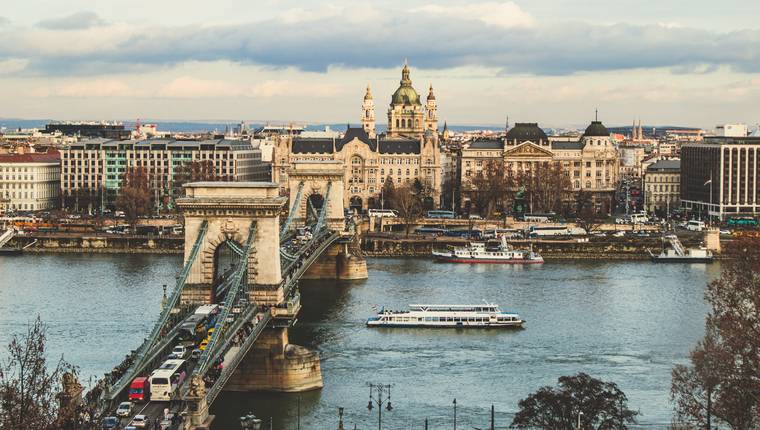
<point>562,145</point>
<point>664,166</point>
<point>596,129</point>
<point>49,157</point>
<point>487,144</point>
<point>523,131</point>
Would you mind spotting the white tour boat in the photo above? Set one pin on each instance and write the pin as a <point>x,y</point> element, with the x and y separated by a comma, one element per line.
<point>478,316</point>
<point>481,252</point>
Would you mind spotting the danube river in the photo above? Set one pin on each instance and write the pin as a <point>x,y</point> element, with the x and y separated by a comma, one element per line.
<point>626,322</point>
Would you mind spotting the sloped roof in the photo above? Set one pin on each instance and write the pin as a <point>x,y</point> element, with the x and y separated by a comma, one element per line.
<point>312,145</point>
<point>48,157</point>
<point>356,133</point>
<point>567,145</point>
<point>487,144</point>
<point>523,131</point>
<point>399,146</point>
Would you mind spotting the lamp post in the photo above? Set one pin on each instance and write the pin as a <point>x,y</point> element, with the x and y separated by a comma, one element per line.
<point>378,399</point>
<point>580,413</point>
<point>340,418</point>
<point>250,422</point>
<point>455,413</point>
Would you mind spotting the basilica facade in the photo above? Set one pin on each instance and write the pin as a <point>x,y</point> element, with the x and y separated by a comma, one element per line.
<point>408,150</point>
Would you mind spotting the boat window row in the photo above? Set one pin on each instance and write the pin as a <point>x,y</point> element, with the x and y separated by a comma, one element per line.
<point>450,319</point>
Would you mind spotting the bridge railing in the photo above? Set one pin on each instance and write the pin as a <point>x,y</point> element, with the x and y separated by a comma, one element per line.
<point>293,211</point>
<point>229,367</point>
<point>160,326</point>
<point>237,281</point>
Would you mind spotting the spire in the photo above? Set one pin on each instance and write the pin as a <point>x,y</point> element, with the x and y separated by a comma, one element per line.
<point>446,126</point>
<point>431,96</point>
<point>368,94</point>
<point>596,114</point>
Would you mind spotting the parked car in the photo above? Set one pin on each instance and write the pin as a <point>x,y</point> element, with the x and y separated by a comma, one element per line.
<point>196,354</point>
<point>124,409</point>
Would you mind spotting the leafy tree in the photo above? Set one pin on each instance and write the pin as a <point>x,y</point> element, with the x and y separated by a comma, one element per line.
<point>722,384</point>
<point>28,386</point>
<point>600,405</point>
<point>135,198</point>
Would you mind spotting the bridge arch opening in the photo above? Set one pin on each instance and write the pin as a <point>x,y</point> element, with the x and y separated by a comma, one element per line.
<point>225,258</point>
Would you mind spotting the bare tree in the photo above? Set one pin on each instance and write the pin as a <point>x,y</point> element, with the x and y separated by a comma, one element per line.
<point>722,385</point>
<point>547,186</point>
<point>135,198</point>
<point>407,203</point>
<point>488,188</point>
<point>28,386</point>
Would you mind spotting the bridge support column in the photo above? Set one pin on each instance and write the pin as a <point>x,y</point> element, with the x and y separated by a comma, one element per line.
<point>338,262</point>
<point>275,365</point>
<point>712,239</point>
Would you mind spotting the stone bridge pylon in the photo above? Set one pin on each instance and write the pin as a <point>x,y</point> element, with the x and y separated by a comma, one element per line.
<point>230,209</point>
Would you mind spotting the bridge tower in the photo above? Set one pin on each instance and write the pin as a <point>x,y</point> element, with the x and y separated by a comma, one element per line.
<point>342,261</point>
<point>228,209</point>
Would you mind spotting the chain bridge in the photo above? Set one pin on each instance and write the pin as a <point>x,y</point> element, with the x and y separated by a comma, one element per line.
<point>247,347</point>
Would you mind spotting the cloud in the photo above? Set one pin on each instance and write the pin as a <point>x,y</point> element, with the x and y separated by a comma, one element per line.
<point>189,87</point>
<point>494,35</point>
<point>87,89</point>
<point>13,66</point>
<point>75,21</point>
<point>500,14</point>
<point>4,21</point>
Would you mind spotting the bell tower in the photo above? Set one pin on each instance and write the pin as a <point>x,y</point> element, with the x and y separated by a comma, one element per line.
<point>431,112</point>
<point>368,113</point>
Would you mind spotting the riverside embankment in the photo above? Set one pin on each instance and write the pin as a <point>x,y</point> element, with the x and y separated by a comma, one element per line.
<point>99,243</point>
<point>608,248</point>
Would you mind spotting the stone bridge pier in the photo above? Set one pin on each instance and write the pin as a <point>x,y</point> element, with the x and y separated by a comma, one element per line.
<point>229,208</point>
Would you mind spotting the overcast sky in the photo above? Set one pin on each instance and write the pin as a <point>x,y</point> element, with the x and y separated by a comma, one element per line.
<point>688,62</point>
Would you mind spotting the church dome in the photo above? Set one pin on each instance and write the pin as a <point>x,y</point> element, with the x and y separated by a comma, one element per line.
<point>523,131</point>
<point>596,129</point>
<point>405,94</point>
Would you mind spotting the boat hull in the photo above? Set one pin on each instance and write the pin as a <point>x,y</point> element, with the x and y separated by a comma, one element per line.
<point>10,251</point>
<point>513,324</point>
<point>446,259</point>
<point>658,259</point>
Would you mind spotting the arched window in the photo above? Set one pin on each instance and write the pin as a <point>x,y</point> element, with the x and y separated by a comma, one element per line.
<point>356,160</point>
<point>397,123</point>
<point>588,184</point>
<point>366,113</point>
<point>403,123</point>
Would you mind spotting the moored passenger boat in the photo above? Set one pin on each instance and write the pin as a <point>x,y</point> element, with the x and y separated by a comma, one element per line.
<point>457,316</point>
<point>481,252</point>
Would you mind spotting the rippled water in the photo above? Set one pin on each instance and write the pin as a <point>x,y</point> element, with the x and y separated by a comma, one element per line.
<point>626,322</point>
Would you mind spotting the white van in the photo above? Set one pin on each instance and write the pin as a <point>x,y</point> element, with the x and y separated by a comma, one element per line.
<point>695,225</point>
<point>390,213</point>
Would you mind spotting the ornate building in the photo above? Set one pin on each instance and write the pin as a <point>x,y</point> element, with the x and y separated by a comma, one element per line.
<point>591,163</point>
<point>409,150</point>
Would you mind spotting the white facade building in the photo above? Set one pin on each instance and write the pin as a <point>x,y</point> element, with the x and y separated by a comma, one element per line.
<point>731,130</point>
<point>30,182</point>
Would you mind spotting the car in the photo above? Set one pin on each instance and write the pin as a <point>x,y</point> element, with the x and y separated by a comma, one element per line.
<point>725,232</point>
<point>179,352</point>
<point>140,421</point>
<point>474,216</point>
<point>124,409</point>
<point>109,423</point>
<point>196,354</point>
<point>619,234</point>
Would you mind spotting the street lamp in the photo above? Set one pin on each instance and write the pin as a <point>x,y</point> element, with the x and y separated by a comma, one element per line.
<point>250,422</point>
<point>580,413</point>
<point>340,417</point>
<point>455,414</point>
<point>379,401</point>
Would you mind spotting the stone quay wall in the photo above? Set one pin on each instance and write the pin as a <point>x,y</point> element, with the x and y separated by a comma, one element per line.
<point>374,245</point>
<point>98,243</point>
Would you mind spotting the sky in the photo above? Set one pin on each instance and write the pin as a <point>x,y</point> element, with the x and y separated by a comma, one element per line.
<point>675,62</point>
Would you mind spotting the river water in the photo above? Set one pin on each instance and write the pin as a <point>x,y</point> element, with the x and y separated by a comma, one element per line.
<point>626,322</point>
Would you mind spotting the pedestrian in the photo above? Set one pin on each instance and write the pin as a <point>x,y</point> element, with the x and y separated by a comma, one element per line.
<point>158,424</point>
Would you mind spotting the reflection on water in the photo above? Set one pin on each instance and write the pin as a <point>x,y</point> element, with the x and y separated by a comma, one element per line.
<point>627,322</point>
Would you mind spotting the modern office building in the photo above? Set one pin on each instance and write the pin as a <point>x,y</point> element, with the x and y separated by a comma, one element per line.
<point>98,165</point>
<point>30,182</point>
<point>719,176</point>
<point>106,130</point>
